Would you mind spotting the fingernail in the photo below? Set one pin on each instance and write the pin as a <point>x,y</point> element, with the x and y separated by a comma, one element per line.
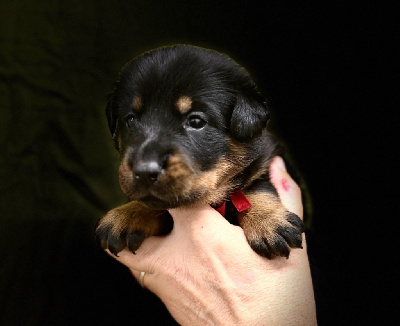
<point>280,163</point>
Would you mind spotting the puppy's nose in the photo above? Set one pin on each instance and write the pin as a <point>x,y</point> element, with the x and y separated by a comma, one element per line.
<point>147,171</point>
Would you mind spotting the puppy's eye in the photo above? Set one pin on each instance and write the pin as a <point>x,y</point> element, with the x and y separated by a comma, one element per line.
<point>195,122</point>
<point>130,120</point>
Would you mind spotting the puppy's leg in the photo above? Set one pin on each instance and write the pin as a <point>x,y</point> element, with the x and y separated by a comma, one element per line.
<point>270,229</point>
<point>128,225</point>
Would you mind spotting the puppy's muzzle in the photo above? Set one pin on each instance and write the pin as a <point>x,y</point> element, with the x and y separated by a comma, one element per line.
<point>159,178</point>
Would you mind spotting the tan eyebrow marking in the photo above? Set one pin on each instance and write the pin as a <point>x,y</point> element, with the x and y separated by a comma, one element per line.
<point>184,104</point>
<point>137,103</point>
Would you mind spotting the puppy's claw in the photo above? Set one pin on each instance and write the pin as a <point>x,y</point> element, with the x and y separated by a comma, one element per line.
<point>293,219</point>
<point>116,243</point>
<point>134,241</point>
<point>107,239</point>
<point>261,247</point>
<point>102,233</point>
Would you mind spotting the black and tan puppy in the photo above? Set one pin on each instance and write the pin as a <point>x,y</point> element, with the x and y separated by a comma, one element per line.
<point>190,127</point>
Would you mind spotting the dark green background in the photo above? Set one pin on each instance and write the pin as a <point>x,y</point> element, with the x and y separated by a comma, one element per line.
<point>324,69</point>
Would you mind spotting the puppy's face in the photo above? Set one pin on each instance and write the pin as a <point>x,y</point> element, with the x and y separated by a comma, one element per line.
<point>183,120</point>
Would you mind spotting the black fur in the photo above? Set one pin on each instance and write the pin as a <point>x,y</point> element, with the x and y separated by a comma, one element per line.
<point>211,78</point>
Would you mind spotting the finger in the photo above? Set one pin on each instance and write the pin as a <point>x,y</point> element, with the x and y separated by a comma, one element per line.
<point>143,278</point>
<point>288,190</point>
<point>144,257</point>
<point>192,217</point>
<point>138,268</point>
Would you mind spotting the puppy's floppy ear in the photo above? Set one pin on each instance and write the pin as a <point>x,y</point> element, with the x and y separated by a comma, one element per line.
<point>249,118</point>
<point>110,114</point>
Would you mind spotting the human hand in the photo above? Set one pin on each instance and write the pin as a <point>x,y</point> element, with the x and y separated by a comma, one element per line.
<point>205,272</point>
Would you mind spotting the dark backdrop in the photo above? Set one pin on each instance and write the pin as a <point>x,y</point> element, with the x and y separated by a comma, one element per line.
<point>325,69</point>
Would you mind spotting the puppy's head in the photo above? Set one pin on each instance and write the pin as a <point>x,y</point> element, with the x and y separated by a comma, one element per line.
<point>183,119</point>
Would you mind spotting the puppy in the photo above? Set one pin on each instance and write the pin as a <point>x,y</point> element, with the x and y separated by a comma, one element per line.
<point>190,127</point>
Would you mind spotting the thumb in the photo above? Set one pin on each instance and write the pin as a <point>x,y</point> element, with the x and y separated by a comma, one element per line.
<point>288,190</point>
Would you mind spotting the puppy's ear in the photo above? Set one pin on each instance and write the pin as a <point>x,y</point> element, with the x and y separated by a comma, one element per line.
<point>249,118</point>
<point>110,114</point>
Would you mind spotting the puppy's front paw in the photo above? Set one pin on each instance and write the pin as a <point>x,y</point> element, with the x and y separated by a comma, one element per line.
<point>277,237</point>
<point>115,240</point>
<point>269,228</point>
<point>127,227</point>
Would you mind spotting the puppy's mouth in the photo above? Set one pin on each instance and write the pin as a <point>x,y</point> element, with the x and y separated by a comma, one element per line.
<point>164,196</point>
<point>159,203</point>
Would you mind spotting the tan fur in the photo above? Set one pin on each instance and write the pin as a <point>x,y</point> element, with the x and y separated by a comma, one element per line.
<point>178,176</point>
<point>217,183</point>
<point>177,168</point>
<point>125,177</point>
<point>184,104</point>
<point>264,216</point>
<point>137,103</point>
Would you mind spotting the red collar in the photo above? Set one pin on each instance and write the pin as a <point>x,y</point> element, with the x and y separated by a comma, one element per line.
<point>238,200</point>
